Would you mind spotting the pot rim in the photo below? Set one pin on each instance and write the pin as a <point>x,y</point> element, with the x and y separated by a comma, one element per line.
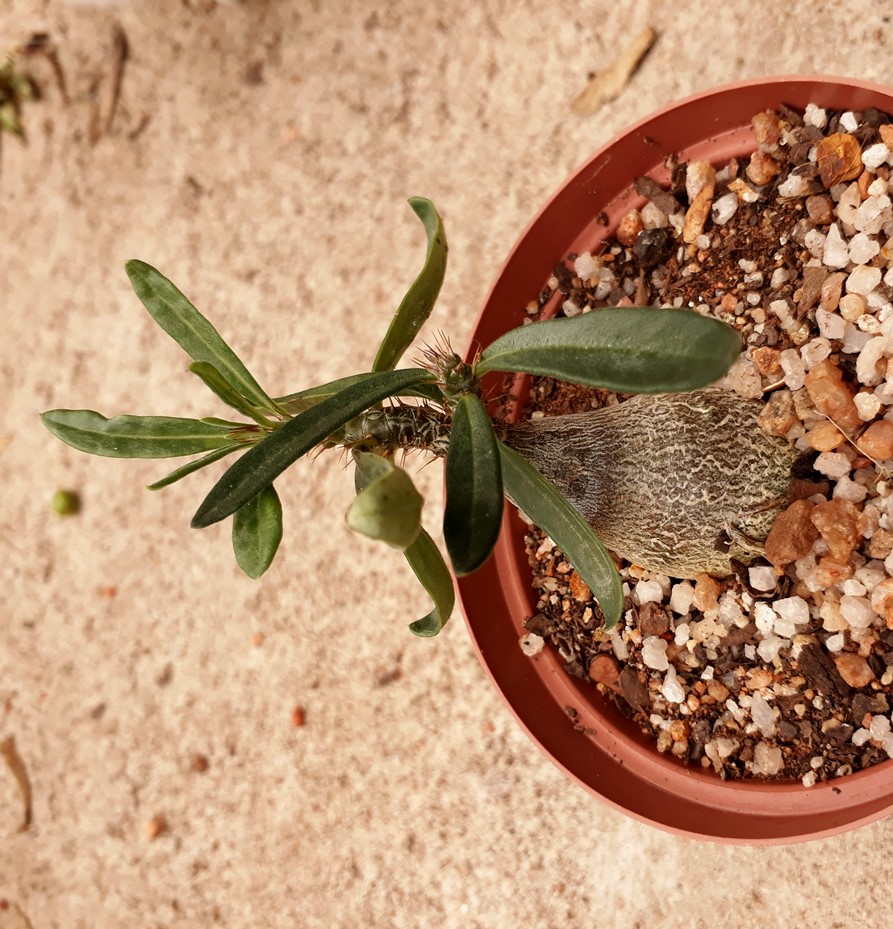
<point>751,812</point>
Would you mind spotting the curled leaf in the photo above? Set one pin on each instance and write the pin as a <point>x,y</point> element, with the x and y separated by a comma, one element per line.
<point>388,507</point>
<point>430,568</point>
<point>416,306</point>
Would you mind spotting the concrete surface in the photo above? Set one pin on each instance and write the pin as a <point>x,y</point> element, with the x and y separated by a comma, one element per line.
<point>260,155</point>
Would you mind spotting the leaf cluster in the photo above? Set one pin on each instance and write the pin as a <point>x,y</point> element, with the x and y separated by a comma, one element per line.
<point>375,414</point>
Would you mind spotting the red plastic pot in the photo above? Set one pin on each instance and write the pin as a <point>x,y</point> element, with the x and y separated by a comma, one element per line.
<point>611,757</point>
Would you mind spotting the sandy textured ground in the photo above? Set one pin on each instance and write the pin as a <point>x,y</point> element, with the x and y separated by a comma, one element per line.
<point>261,154</point>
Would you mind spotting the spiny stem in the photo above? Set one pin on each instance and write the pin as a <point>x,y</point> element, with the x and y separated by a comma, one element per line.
<point>399,427</point>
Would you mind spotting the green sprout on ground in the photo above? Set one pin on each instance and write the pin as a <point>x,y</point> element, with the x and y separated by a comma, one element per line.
<point>16,89</point>
<point>437,407</point>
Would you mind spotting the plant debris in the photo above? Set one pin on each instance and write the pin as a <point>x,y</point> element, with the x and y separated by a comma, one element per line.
<point>104,111</point>
<point>610,83</point>
<point>784,670</point>
<point>10,755</point>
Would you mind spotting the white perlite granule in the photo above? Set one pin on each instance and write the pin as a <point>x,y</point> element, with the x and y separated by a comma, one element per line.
<point>654,653</point>
<point>763,577</point>
<point>648,592</point>
<point>531,644</point>
<point>863,279</point>
<point>767,759</point>
<point>681,597</point>
<point>672,689</point>
<point>815,116</point>
<point>762,715</point>
<point>585,266</point>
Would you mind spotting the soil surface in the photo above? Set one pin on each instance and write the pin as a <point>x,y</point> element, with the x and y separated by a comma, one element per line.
<point>784,669</point>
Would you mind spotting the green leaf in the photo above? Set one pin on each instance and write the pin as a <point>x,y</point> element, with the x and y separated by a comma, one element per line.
<point>430,568</point>
<point>420,298</point>
<point>222,388</point>
<point>474,498</point>
<point>542,502</point>
<point>627,349</point>
<point>263,463</point>
<point>257,532</point>
<point>423,555</point>
<point>304,399</point>
<point>134,436</point>
<point>195,465</point>
<point>388,508</point>
<point>192,332</point>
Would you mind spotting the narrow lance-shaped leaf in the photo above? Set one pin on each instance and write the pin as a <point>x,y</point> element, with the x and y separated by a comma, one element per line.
<point>474,498</point>
<point>221,387</point>
<point>257,532</point>
<point>627,349</point>
<point>388,507</point>
<point>195,465</point>
<point>416,306</point>
<point>430,568</point>
<point>542,502</point>
<point>304,399</point>
<point>193,332</point>
<point>263,463</point>
<point>135,436</point>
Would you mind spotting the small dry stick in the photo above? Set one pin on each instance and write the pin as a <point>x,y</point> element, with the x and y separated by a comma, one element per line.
<point>608,84</point>
<point>9,753</point>
<point>121,54</point>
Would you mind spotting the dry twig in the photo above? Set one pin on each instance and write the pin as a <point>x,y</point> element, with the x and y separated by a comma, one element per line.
<point>608,84</point>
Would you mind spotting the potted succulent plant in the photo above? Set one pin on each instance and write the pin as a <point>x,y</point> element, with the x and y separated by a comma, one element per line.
<point>721,479</point>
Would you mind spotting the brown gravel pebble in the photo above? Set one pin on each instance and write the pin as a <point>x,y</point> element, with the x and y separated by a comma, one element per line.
<point>630,227</point>
<point>767,360</point>
<point>578,587</point>
<point>877,441</point>
<point>604,669</point>
<point>697,213</point>
<point>832,396</point>
<point>820,210</point>
<point>778,416</point>
<point>706,592</point>
<point>839,158</point>
<point>825,436</point>
<point>792,535</point>
<point>854,669</point>
<point>761,168</point>
<point>838,523</point>
<point>881,544</point>
<point>653,619</point>
<point>156,827</point>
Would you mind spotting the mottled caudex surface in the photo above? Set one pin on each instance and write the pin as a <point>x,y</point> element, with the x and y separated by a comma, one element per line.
<point>677,483</point>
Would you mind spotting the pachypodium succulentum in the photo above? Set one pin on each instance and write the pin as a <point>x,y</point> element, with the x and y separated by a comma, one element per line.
<point>437,407</point>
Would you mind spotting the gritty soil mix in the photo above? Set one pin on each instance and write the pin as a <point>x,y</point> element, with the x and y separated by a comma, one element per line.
<point>784,670</point>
